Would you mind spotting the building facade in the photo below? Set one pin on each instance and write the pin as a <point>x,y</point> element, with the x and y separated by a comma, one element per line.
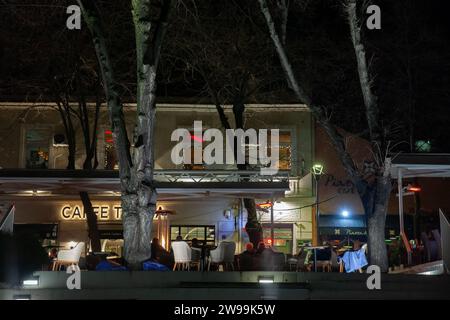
<point>195,201</point>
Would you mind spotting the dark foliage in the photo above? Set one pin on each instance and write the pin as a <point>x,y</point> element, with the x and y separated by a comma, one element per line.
<point>409,56</point>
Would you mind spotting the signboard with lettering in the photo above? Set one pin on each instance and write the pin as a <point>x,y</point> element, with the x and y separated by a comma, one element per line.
<point>103,212</point>
<point>338,231</point>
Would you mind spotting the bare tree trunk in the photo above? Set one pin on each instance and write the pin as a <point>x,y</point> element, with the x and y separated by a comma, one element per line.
<point>120,136</point>
<point>91,17</point>
<point>283,5</point>
<point>65,113</point>
<point>138,191</point>
<point>370,100</point>
<point>253,227</point>
<point>382,186</point>
<point>375,205</point>
<point>91,219</point>
<point>374,197</point>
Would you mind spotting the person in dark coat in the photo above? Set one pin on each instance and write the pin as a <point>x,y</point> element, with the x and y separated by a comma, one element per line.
<point>247,258</point>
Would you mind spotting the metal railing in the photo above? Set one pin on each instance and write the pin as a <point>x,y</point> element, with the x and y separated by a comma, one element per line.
<point>217,176</point>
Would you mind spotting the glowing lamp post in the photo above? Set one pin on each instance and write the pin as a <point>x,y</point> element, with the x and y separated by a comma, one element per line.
<point>317,171</point>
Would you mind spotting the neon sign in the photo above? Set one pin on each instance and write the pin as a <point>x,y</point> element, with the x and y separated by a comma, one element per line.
<point>103,212</point>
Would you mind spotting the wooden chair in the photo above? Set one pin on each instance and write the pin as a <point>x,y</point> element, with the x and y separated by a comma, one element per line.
<point>325,265</point>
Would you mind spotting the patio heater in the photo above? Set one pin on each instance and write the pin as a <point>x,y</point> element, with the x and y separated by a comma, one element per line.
<point>317,171</point>
<point>162,224</point>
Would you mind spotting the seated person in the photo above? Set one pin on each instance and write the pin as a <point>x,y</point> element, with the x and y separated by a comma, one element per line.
<point>161,255</point>
<point>301,259</point>
<point>199,245</point>
<point>264,257</point>
<point>196,243</point>
<point>157,250</point>
<point>246,258</point>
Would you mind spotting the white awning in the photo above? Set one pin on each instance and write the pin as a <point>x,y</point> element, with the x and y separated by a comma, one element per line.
<point>421,165</point>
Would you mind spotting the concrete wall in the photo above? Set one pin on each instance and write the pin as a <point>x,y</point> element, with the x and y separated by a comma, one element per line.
<point>232,286</point>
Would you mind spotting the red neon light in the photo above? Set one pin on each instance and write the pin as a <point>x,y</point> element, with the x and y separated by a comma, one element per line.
<point>108,132</point>
<point>109,140</point>
<point>198,139</point>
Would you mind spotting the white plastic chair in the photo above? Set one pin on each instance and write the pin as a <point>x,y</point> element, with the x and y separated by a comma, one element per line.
<point>182,254</point>
<point>223,255</point>
<point>68,257</point>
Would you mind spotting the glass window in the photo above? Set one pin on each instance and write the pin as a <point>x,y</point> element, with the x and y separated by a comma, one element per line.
<point>284,149</point>
<point>37,148</point>
<point>203,233</point>
<point>282,238</point>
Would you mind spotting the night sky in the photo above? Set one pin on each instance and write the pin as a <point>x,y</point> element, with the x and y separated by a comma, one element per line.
<point>409,56</point>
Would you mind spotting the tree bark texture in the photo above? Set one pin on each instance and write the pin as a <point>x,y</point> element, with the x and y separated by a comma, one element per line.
<point>91,219</point>
<point>136,170</point>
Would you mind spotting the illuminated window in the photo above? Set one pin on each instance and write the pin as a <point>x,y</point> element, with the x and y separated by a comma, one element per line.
<point>284,150</point>
<point>285,162</point>
<point>192,165</point>
<point>283,238</point>
<point>187,233</point>
<point>111,161</point>
<point>36,148</point>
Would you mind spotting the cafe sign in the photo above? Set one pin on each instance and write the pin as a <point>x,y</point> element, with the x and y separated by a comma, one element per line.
<point>343,231</point>
<point>103,212</point>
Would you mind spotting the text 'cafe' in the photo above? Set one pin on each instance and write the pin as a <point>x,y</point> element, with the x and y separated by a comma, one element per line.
<point>103,212</point>
<point>59,223</point>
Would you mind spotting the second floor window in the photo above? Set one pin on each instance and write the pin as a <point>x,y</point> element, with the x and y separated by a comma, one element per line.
<point>37,149</point>
<point>285,151</point>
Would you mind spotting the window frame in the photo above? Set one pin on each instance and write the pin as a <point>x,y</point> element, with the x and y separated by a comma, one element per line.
<point>23,145</point>
<point>205,227</point>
